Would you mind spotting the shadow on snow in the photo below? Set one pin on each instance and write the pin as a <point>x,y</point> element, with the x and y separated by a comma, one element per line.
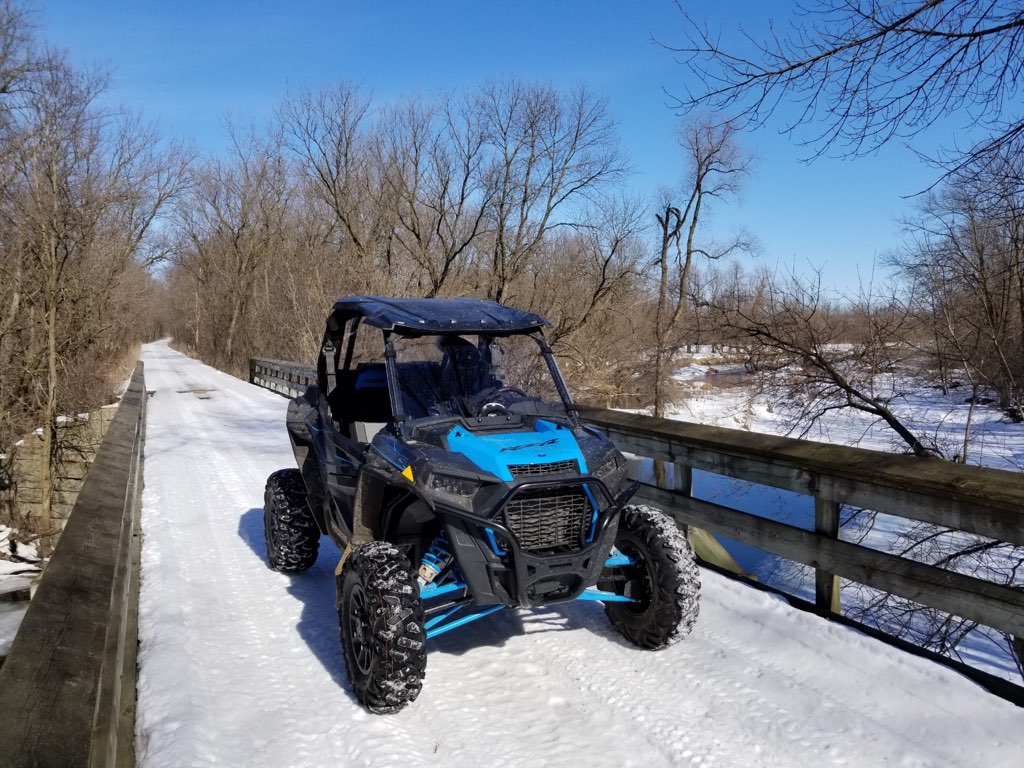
<point>318,624</point>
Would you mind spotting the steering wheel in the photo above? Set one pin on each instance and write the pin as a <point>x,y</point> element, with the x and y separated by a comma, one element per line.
<point>494,406</point>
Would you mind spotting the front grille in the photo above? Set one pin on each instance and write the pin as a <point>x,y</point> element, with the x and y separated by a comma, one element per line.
<point>546,518</point>
<point>539,470</point>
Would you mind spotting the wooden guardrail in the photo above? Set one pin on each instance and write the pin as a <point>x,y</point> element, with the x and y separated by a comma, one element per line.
<point>67,688</point>
<point>983,501</point>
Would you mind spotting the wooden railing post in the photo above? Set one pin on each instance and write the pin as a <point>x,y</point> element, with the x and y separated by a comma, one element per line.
<point>705,546</point>
<point>826,584</point>
<point>684,479</point>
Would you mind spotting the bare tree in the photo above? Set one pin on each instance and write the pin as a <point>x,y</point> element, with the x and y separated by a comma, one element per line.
<point>817,357</point>
<point>592,265</point>
<point>433,157</point>
<point>865,73</point>
<point>330,136</point>
<point>716,169</point>
<point>548,154</point>
<point>587,282</point>
<point>232,226</point>
<point>82,190</point>
<point>966,257</point>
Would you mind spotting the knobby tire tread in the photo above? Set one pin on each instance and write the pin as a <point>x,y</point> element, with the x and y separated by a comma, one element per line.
<point>292,535</point>
<point>399,649</point>
<point>675,601</point>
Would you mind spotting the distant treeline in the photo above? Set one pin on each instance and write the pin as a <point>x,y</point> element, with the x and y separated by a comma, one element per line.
<point>510,191</point>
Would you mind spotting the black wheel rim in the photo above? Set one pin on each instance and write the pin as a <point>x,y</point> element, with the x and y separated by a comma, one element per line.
<point>359,629</point>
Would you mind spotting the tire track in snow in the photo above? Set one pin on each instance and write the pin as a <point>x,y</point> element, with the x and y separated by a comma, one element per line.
<point>241,647</point>
<point>240,483</point>
<point>504,680</point>
<point>247,646</point>
<point>634,686</point>
<point>257,655</point>
<point>854,730</point>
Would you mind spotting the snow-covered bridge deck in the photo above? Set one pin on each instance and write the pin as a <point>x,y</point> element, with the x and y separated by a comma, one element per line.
<point>241,665</point>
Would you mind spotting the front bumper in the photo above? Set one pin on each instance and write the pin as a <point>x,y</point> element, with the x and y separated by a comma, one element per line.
<point>499,570</point>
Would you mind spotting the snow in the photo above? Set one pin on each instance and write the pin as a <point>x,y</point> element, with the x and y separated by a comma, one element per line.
<point>11,615</point>
<point>68,419</point>
<point>995,441</point>
<point>14,577</point>
<point>242,666</point>
<point>9,545</point>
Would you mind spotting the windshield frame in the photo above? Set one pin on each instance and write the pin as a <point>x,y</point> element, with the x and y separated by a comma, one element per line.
<point>399,405</point>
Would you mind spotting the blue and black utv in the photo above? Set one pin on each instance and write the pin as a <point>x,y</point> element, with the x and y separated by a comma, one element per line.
<point>441,451</point>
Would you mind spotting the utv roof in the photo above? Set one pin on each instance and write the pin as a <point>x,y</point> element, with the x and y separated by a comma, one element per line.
<point>423,316</point>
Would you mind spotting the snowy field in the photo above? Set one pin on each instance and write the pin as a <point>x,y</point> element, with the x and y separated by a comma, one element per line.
<point>242,666</point>
<point>719,395</point>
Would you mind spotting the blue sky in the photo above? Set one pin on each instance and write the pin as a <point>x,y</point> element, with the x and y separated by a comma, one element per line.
<point>187,64</point>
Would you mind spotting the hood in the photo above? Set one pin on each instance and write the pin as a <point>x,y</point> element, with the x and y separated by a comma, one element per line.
<point>494,452</point>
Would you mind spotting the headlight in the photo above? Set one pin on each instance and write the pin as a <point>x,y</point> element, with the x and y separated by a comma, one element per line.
<point>611,472</point>
<point>452,486</point>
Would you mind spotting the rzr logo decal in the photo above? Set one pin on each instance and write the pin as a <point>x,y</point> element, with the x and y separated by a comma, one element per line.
<point>552,441</point>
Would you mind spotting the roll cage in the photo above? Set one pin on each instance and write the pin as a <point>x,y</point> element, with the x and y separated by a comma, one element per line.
<point>380,392</point>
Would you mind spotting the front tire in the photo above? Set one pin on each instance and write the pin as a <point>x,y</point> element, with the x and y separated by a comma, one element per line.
<point>291,533</point>
<point>382,632</point>
<point>663,580</point>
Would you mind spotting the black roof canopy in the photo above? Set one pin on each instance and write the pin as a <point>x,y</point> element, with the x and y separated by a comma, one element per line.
<point>429,316</point>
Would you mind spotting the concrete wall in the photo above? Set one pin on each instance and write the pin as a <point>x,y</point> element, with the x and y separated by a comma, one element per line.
<point>21,500</point>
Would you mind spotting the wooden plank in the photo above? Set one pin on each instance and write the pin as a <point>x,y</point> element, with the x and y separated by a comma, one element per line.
<point>707,548</point>
<point>56,666</point>
<point>114,726</point>
<point>684,479</point>
<point>940,507</point>
<point>991,604</point>
<point>109,699</point>
<point>124,755</point>
<point>985,501</point>
<point>281,364</point>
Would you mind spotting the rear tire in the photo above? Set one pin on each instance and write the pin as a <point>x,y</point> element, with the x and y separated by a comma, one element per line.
<point>382,634</point>
<point>664,580</point>
<point>291,533</point>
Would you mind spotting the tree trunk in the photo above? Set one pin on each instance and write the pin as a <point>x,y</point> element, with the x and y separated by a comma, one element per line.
<point>195,330</point>
<point>50,407</point>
